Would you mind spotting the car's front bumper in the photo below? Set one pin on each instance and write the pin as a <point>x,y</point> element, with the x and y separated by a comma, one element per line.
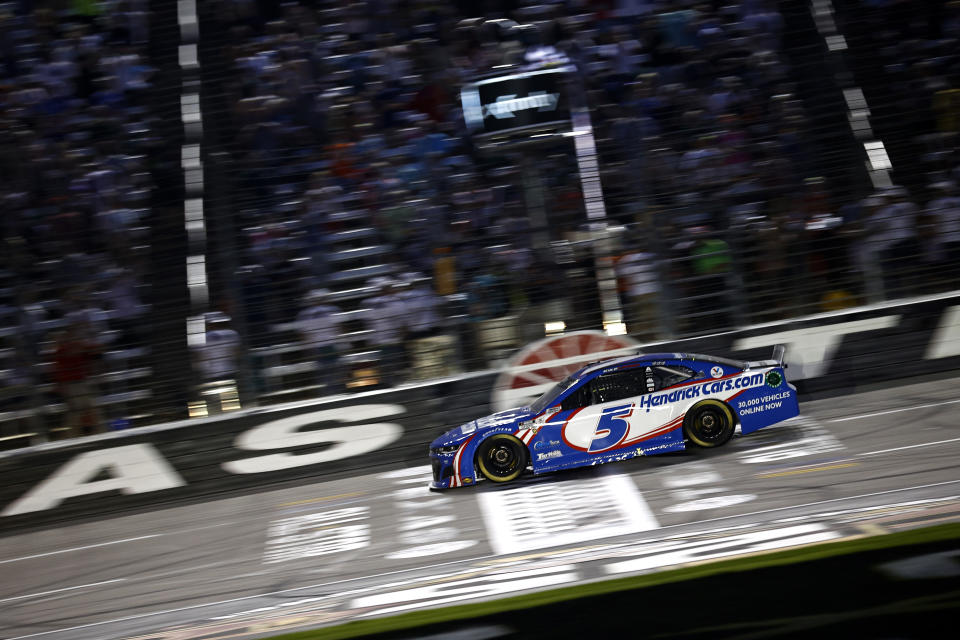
<point>444,473</point>
<point>442,467</point>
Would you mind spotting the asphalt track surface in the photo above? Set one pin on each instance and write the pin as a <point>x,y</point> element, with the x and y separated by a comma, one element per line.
<point>331,551</point>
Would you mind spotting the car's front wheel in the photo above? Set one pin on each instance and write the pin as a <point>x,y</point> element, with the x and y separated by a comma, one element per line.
<point>502,458</point>
<point>709,424</point>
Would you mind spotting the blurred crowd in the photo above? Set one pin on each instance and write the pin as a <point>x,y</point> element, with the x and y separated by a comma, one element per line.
<point>75,192</point>
<point>353,165</point>
<point>346,120</point>
<point>907,55</point>
<point>361,228</point>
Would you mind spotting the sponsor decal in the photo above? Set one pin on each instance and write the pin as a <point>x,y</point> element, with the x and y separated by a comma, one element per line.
<point>765,403</point>
<point>774,379</point>
<point>716,372</point>
<point>732,384</point>
<point>700,390</point>
<point>529,430</point>
<point>659,447</point>
<point>659,399</point>
<point>468,428</point>
<point>549,455</point>
<point>545,443</point>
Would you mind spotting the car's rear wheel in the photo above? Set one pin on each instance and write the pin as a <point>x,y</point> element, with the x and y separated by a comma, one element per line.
<point>502,458</point>
<point>709,424</point>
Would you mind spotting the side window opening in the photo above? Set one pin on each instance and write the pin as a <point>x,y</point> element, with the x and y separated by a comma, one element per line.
<point>618,385</point>
<point>667,376</point>
<point>577,399</point>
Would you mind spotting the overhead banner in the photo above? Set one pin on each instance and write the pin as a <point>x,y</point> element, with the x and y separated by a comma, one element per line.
<point>153,467</point>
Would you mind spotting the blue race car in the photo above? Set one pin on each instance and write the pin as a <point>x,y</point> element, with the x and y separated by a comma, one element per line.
<point>618,409</point>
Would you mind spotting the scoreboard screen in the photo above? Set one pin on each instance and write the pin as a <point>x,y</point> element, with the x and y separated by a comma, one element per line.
<point>534,100</point>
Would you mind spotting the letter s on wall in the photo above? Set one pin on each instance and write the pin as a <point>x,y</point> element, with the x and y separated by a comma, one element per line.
<point>284,433</point>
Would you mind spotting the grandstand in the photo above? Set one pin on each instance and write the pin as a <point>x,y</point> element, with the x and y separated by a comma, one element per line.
<point>335,158</point>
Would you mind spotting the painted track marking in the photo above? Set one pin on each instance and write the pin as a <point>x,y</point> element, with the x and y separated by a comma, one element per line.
<point>549,515</point>
<point>112,542</point>
<point>47,593</point>
<point>808,504</point>
<point>912,446</point>
<point>295,503</point>
<point>463,561</point>
<point>89,546</point>
<point>150,614</point>
<point>889,411</point>
<point>794,472</point>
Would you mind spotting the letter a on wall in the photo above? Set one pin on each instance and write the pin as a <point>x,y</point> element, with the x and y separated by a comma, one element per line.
<point>134,468</point>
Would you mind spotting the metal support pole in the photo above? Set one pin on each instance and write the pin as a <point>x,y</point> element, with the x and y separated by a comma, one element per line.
<point>586,153</point>
<point>536,209</point>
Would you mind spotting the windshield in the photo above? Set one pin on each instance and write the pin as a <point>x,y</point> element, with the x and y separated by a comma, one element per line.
<point>552,394</point>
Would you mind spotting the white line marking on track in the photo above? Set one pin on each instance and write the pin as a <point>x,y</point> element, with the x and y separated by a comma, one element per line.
<point>242,598</point>
<point>889,411</point>
<point>664,554</point>
<point>895,505</point>
<point>808,504</point>
<point>112,542</point>
<point>89,546</point>
<point>912,446</point>
<point>47,593</point>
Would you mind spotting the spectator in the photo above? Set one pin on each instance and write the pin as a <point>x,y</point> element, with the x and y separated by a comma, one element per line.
<point>385,318</point>
<point>944,209</point>
<point>74,366</point>
<point>19,391</point>
<point>125,307</point>
<point>711,264</point>
<point>216,361</point>
<point>892,234</point>
<point>319,325</point>
<point>640,283</point>
<point>420,306</point>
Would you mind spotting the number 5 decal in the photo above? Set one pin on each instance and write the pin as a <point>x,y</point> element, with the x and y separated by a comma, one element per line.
<point>611,428</point>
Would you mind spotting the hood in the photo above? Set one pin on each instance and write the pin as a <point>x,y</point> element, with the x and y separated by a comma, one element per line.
<point>493,421</point>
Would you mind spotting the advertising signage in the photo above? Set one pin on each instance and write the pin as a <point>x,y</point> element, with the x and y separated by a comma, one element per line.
<point>534,100</point>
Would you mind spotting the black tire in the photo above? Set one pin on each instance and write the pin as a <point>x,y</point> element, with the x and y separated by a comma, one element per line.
<point>709,424</point>
<point>502,458</point>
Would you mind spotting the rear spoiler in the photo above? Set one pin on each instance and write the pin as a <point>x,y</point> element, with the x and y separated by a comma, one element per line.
<point>776,360</point>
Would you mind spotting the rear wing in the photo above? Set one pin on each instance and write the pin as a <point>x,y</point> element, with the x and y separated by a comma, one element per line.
<point>776,360</point>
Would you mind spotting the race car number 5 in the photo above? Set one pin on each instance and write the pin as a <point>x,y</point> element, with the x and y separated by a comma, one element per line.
<point>611,429</point>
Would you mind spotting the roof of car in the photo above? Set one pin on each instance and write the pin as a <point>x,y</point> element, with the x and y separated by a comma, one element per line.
<point>615,363</point>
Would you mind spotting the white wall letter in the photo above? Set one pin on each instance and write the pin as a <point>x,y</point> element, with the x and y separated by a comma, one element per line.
<point>809,350</point>
<point>347,441</point>
<point>946,339</point>
<point>134,468</point>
